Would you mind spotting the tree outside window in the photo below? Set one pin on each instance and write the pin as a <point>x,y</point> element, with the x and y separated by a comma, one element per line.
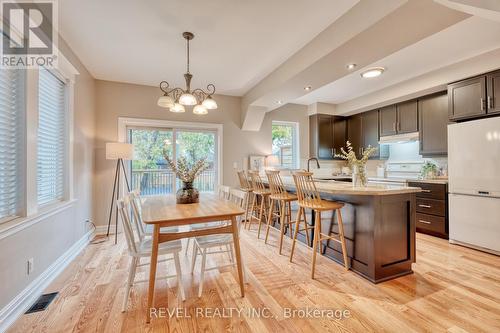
<point>284,145</point>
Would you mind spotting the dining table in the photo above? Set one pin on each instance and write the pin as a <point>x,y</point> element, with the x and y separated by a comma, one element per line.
<point>162,211</point>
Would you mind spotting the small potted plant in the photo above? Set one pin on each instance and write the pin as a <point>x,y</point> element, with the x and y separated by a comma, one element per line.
<point>429,170</point>
<point>187,174</point>
<point>358,166</point>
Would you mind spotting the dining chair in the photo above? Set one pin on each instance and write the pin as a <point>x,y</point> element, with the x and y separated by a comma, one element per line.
<point>141,248</point>
<point>245,186</point>
<point>261,194</point>
<point>215,244</point>
<point>283,199</point>
<point>309,198</point>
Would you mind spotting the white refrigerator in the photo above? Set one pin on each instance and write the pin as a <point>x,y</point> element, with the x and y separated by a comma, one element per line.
<point>474,184</point>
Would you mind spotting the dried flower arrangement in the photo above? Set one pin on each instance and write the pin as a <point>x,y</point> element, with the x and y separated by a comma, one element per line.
<point>354,163</point>
<point>185,172</point>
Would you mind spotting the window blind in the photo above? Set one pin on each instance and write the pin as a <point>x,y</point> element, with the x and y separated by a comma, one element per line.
<point>51,138</point>
<point>11,142</point>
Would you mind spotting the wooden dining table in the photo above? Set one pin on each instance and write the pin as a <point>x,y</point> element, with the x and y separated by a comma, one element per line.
<point>162,211</point>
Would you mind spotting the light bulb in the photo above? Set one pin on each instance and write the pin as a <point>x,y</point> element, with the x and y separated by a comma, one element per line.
<point>165,101</point>
<point>210,103</point>
<point>187,99</point>
<point>200,109</point>
<point>177,108</point>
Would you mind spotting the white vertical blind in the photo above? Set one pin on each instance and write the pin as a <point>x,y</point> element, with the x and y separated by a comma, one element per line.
<point>51,143</point>
<point>11,142</point>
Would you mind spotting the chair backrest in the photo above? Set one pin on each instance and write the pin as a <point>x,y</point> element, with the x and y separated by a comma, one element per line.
<point>124,209</point>
<point>223,192</point>
<point>135,201</point>
<point>244,181</point>
<point>257,183</point>
<point>275,182</point>
<point>238,197</point>
<point>307,193</point>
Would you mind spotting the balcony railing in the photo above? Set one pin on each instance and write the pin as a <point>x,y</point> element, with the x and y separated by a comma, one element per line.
<point>163,181</point>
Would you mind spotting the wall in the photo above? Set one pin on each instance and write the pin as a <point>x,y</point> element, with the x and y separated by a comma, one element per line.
<point>137,101</point>
<point>51,237</point>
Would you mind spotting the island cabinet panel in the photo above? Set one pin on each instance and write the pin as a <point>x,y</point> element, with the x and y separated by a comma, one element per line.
<point>467,99</point>
<point>407,117</point>
<point>433,111</point>
<point>388,120</point>
<point>493,92</point>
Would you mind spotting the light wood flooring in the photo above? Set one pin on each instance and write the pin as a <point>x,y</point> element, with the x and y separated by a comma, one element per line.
<point>453,289</point>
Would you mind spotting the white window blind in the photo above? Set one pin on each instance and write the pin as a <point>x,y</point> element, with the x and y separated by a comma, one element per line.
<point>11,142</point>
<point>51,138</point>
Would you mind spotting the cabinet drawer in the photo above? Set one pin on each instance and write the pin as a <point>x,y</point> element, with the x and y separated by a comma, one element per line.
<point>431,206</point>
<point>431,223</point>
<point>430,191</point>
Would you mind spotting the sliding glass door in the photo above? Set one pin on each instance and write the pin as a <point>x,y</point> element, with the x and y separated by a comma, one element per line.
<point>149,170</point>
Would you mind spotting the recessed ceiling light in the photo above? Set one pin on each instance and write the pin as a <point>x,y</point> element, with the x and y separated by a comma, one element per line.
<point>351,66</point>
<point>307,88</point>
<point>372,72</point>
<point>279,102</point>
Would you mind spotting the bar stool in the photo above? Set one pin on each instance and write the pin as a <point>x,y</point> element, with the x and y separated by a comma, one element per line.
<point>262,194</point>
<point>246,187</point>
<point>284,200</point>
<point>308,197</point>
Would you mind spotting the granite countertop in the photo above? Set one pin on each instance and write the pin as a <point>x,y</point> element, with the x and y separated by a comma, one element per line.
<point>346,188</point>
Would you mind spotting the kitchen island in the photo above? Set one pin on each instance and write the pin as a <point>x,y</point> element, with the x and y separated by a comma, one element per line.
<point>379,226</point>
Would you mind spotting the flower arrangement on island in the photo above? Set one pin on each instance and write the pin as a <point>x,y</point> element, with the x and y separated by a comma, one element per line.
<point>358,166</point>
<point>187,174</point>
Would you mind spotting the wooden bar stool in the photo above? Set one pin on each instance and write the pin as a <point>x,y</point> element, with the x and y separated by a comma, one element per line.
<point>308,197</point>
<point>284,200</point>
<point>246,187</point>
<point>261,193</point>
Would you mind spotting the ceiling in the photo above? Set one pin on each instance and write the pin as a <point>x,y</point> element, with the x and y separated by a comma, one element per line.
<point>237,43</point>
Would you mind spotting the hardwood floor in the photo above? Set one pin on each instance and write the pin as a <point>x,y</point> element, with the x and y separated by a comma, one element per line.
<point>453,289</point>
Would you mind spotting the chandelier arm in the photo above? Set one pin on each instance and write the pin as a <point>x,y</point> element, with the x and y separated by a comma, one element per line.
<point>211,89</point>
<point>176,93</point>
<point>164,87</point>
<point>199,94</point>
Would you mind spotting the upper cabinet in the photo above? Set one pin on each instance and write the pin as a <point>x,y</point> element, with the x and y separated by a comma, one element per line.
<point>475,97</point>
<point>398,119</point>
<point>433,119</point>
<point>354,133</point>
<point>327,134</point>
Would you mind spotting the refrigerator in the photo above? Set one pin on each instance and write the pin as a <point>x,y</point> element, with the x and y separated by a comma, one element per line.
<point>474,184</point>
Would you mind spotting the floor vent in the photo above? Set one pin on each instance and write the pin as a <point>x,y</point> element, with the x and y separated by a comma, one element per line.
<point>42,302</point>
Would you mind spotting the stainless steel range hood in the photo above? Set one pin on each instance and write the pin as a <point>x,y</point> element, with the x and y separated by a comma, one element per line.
<point>399,138</point>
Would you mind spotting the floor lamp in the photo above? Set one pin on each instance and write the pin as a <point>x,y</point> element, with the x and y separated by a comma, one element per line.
<point>118,151</point>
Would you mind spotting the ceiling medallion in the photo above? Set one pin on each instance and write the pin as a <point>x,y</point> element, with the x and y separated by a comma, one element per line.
<point>176,98</point>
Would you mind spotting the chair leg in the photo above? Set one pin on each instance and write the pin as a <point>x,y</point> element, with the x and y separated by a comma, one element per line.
<point>187,246</point>
<point>269,219</point>
<point>178,272</point>
<point>282,223</point>
<point>261,214</point>
<point>316,241</point>
<point>342,239</point>
<point>193,258</point>
<point>306,227</point>
<point>231,253</point>
<point>252,210</point>
<point>247,205</point>
<point>202,273</point>
<point>294,239</point>
<point>130,282</point>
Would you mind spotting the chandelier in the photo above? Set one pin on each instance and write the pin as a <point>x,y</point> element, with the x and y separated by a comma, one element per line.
<point>176,99</point>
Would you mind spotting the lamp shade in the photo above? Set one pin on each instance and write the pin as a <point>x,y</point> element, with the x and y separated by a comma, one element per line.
<point>117,150</point>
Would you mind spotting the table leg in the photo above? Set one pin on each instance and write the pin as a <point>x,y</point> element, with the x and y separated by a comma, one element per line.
<point>237,251</point>
<point>152,270</point>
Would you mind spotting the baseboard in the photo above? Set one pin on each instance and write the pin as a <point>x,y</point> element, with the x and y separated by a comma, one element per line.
<point>12,311</point>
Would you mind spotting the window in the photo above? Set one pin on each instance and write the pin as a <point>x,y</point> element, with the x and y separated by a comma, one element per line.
<point>11,142</point>
<point>52,141</point>
<point>285,144</point>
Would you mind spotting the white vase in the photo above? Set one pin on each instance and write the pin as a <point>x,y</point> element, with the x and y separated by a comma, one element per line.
<point>355,176</point>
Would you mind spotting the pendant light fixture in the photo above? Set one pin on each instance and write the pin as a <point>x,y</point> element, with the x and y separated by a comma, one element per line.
<point>176,99</point>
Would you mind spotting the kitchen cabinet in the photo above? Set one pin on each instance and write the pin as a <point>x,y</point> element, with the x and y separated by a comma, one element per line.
<point>467,98</point>
<point>388,120</point>
<point>433,119</point>
<point>370,134</point>
<point>354,132</point>
<point>407,117</point>
<point>327,134</point>
<point>493,92</point>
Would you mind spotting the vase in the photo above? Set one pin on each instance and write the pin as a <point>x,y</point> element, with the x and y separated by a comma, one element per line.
<point>358,175</point>
<point>187,194</point>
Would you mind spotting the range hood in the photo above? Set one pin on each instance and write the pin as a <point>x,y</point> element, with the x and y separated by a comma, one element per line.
<point>399,138</point>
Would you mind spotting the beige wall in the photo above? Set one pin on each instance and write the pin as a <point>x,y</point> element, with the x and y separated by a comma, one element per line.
<point>48,239</point>
<point>128,100</point>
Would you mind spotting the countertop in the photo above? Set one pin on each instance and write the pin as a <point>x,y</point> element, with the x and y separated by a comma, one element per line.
<point>346,188</point>
<point>443,181</point>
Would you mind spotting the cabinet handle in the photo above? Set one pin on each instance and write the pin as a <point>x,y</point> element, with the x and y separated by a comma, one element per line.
<point>425,206</point>
<point>399,126</point>
<point>490,102</point>
<point>394,126</point>
<point>426,222</point>
<point>482,104</point>
<point>426,191</point>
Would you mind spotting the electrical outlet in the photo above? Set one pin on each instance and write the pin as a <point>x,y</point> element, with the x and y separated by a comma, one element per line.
<point>31,265</point>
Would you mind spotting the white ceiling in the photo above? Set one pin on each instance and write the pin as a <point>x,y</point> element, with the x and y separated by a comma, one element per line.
<point>237,42</point>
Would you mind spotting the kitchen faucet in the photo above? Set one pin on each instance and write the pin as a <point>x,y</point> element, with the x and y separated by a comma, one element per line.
<point>312,159</point>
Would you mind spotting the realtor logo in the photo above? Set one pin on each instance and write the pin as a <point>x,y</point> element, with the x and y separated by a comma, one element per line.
<point>29,37</point>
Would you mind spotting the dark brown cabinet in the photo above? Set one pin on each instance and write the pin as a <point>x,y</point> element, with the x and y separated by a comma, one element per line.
<point>467,99</point>
<point>354,132</point>
<point>327,134</point>
<point>388,120</point>
<point>433,118</point>
<point>493,92</point>
<point>407,121</point>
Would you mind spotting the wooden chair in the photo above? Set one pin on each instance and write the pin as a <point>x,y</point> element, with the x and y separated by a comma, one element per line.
<point>309,198</point>
<point>261,194</point>
<point>245,186</point>
<point>283,199</point>
<point>214,244</point>
<point>140,248</point>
